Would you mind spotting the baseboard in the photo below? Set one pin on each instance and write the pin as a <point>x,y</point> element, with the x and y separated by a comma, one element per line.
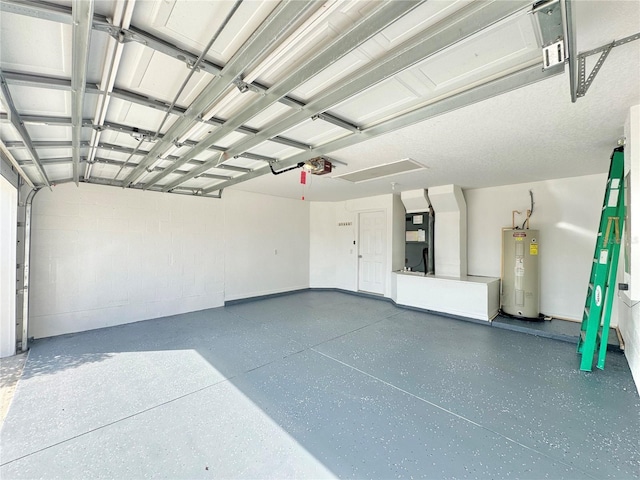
<point>264,297</point>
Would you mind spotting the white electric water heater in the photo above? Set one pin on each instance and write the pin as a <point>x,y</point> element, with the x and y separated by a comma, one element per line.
<point>520,274</point>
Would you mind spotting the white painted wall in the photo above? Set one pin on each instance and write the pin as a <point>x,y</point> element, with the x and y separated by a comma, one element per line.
<point>333,231</point>
<point>8,227</point>
<point>567,213</point>
<point>628,308</point>
<point>103,256</point>
<point>325,246</point>
<point>266,244</point>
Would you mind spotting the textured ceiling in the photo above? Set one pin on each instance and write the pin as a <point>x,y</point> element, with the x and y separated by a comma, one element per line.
<point>282,82</point>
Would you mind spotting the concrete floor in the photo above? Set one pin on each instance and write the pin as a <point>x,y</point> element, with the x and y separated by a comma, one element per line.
<point>317,385</point>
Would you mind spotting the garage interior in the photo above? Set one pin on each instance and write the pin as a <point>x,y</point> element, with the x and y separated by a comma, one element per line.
<point>264,239</point>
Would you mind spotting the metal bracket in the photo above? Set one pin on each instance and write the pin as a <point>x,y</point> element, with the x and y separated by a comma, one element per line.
<point>584,81</point>
<point>191,65</point>
<point>121,35</point>
<point>241,85</point>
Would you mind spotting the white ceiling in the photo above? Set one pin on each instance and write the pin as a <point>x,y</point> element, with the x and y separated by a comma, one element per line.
<point>528,134</point>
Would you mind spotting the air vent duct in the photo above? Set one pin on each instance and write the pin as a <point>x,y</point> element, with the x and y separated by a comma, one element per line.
<point>373,173</point>
<point>415,201</point>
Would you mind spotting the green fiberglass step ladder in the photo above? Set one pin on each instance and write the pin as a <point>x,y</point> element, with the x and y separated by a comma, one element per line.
<point>594,332</point>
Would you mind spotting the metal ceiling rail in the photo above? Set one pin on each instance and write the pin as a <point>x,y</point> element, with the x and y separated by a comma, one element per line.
<point>584,80</point>
<point>18,124</point>
<point>373,23</point>
<point>40,81</point>
<point>569,27</point>
<point>129,150</point>
<point>277,26</point>
<point>108,161</point>
<point>82,14</point>
<point>186,191</point>
<point>118,163</point>
<point>44,144</point>
<point>488,90</point>
<point>56,161</point>
<point>461,25</point>
<point>192,70</point>
<point>114,147</point>
<point>122,19</point>
<point>62,14</point>
<point>7,154</point>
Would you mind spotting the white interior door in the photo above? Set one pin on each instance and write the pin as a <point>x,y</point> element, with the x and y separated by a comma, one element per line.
<point>372,252</point>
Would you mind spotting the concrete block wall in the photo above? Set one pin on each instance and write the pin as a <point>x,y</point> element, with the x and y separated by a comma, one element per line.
<point>102,257</point>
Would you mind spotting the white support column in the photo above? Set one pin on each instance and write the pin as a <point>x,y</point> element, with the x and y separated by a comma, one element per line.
<point>450,230</point>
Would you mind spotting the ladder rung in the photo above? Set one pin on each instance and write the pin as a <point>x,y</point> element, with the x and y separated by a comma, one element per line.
<point>586,310</point>
<point>583,335</point>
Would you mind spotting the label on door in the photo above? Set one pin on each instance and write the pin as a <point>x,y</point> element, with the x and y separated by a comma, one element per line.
<point>533,249</point>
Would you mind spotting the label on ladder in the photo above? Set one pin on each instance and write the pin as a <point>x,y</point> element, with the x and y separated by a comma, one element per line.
<point>598,297</point>
<point>604,255</point>
<point>613,198</point>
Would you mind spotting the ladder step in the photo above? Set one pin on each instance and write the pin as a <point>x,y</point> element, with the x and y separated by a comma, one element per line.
<point>583,335</point>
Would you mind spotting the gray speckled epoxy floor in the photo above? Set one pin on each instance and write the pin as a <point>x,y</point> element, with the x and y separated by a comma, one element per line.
<point>317,385</point>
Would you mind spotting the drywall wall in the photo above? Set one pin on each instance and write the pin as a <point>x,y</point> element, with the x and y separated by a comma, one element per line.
<point>450,242</point>
<point>567,213</point>
<point>325,246</point>
<point>628,309</point>
<point>8,227</point>
<point>266,244</point>
<point>334,237</point>
<point>103,256</point>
